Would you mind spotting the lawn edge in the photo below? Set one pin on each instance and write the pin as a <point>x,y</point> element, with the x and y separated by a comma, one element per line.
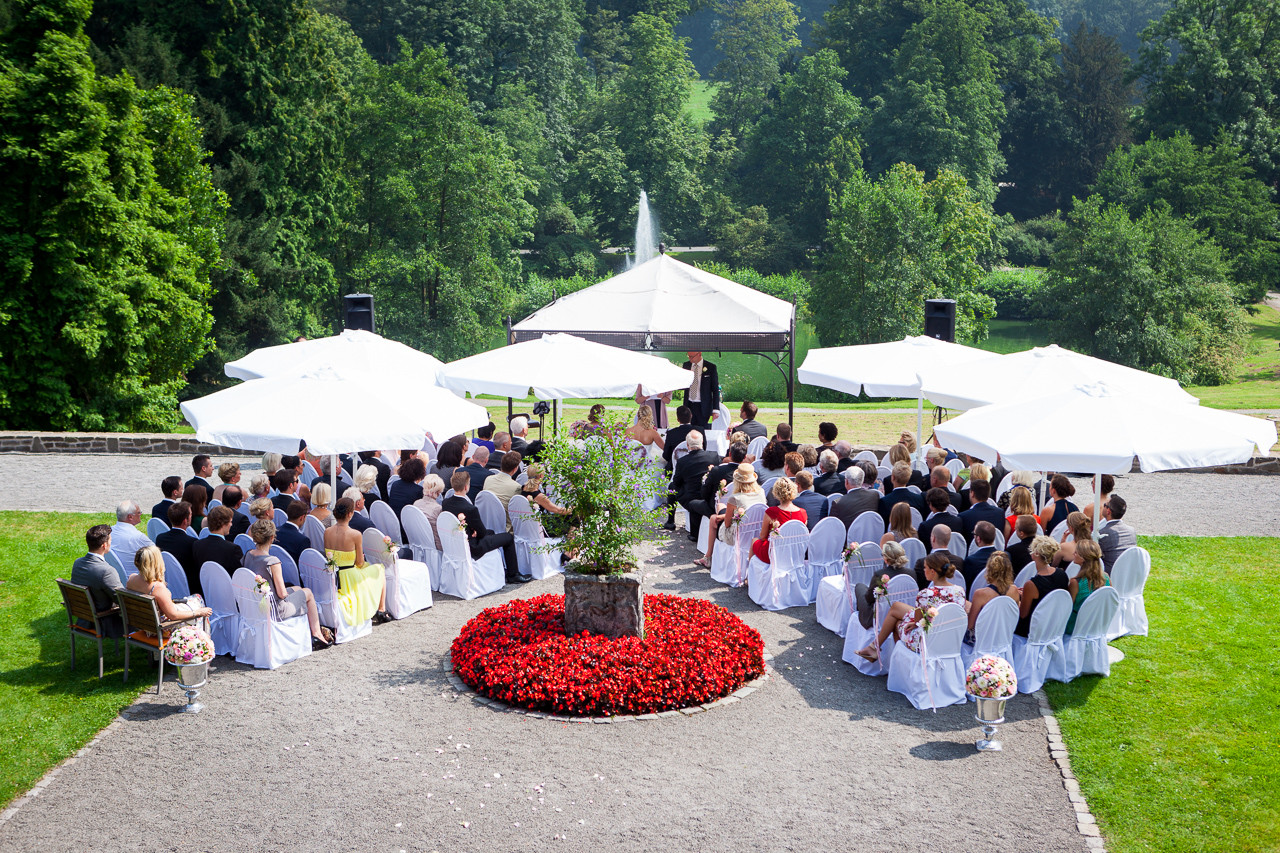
<point>1086,823</point>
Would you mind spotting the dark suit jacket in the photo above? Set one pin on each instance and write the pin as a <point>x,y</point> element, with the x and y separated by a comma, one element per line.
<point>1020,554</point>
<point>201,481</point>
<point>404,493</point>
<point>955,561</point>
<point>814,506</point>
<point>161,510</point>
<point>479,474</point>
<point>975,563</point>
<point>214,549</point>
<point>239,523</point>
<point>360,522</point>
<point>898,496</point>
<point>180,544</point>
<point>925,530</point>
<point>709,392</point>
<point>854,504</point>
<point>980,512</point>
<point>519,445</point>
<point>829,484</point>
<point>282,501</point>
<point>753,428</point>
<point>476,530</point>
<point>292,540</point>
<point>686,482</point>
<point>719,474</point>
<point>674,436</point>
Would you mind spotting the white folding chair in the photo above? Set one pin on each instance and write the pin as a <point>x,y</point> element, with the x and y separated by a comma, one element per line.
<point>324,589</point>
<point>933,677</point>
<point>1129,579</point>
<point>155,527</point>
<point>313,529</point>
<point>901,588</point>
<point>279,516</point>
<point>384,518</point>
<point>224,624</point>
<point>492,514</point>
<point>958,546</point>
<point>265,641</point>
<point>782,582</point>
<point>915,550</point>
<point>175,577</point>
<point>835,603</point>
<point>532,541</point>
<point>1033,655</point>
<point>1027,573</point>
<point>993,632</point>
<point>245,542</point>
<point>866,527</point>
<point>422,541</point>
<point>460,575</point>
<point>826,542</point>
<point>288,568</point>
<point>408,581</point>
<point>1085,648</point>
<point>729,562</point>
<point>757,445</point>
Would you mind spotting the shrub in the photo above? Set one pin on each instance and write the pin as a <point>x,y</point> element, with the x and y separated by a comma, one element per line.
<point>1018,293</point>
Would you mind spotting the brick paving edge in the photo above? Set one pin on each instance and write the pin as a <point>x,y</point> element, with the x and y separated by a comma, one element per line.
<point>1086,823</point>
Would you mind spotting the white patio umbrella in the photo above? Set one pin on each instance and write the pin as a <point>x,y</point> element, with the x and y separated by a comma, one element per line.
<point>890,369</point>
<point>354,348</point>
<point>1100,428</point>
<point>557,366</point>
<point>1037,371</point>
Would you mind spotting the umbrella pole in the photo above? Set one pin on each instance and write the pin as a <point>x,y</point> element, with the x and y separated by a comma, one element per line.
<point>1097,504</point>
<point>333,477</point>
<point>920,422</point>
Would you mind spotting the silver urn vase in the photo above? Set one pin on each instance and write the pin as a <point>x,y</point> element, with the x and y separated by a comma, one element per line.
<point>990,714</point>
<point>192,676</point>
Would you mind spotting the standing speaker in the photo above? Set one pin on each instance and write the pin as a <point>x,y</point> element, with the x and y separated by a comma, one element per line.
<point>359,311</point>
<point>940,319</point>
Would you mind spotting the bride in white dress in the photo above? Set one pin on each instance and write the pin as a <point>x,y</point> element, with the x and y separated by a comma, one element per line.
<point>645,434</point>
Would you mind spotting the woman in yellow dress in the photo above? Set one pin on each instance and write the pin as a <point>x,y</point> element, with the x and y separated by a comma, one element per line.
<point>362,587</point>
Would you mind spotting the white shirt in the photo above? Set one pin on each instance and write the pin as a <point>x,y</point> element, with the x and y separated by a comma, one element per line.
<point>126,541</point>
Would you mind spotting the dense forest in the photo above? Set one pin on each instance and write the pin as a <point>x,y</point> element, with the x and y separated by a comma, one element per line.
<point>182,181</point>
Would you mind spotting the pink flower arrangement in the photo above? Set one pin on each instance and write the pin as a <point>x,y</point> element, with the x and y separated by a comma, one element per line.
<point>991,677</point>
<point>188,645</point>
<point>261,586</point>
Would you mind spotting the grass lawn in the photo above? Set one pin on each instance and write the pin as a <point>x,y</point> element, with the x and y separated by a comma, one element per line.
<point>699,103</point>
<point>47,711</point>
<point>1176,750</point>
<point>1257,385</point>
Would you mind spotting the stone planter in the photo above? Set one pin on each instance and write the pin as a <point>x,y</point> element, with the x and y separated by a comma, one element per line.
<point>609,605</point>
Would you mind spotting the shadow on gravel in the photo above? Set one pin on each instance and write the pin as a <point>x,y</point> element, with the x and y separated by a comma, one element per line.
<point>942,750</point>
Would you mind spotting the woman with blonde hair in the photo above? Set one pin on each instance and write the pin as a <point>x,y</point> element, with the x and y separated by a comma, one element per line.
<point>320,496</point>
<point>1020,503</point>
<point>776,516</point>
<point>746,494</point>
<point>259,487</point>
<point>1044,581</point>
<point>262,508</point>
<point>366,480</point>
<point>1091,577</point>
<point>429,503</point>
<point>900,527</point>
<point>904,621</point>
<point>229,474</point>
<point>999,582</point>
<point>149,580</point>
<point>290,600</point>
<point>644,431</point>
<point>1079,528</point>
<point>270,463</point>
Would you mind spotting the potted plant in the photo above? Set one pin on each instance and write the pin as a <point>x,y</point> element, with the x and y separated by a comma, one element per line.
<point>189,650</point>
<point>595,471</point>
<point>991,681</point>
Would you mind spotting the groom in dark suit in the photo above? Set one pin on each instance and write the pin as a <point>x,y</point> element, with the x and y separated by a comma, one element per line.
<point>703,394</point>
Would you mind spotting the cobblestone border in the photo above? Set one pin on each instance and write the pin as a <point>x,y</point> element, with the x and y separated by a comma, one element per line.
<point>446,665</point>
<point>1085,821</point>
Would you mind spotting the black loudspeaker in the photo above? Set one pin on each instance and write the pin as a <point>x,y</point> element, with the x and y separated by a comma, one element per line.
<point>359,311</point>
<point>940,319</point>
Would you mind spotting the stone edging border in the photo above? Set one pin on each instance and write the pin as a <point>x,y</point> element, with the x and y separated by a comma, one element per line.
<point>446,666</point>
<point>1086,823</point>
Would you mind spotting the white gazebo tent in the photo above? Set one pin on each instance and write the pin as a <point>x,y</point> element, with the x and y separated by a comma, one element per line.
<point>664,305</point>
<point>354,348</point>
<point>890,369</point>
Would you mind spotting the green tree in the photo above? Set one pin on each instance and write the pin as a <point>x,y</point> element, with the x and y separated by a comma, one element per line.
<point>1096,98</point>
<point>604,46</point>
<point>894,242</point>
<point>1150,293</point>
<point>1215,189</point>
<point>1212,64</point>
<point>752,35</point>
<point>109,229</point>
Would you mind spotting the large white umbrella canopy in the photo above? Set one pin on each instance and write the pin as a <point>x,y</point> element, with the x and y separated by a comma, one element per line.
<point>354,348</point>
<point>1035,372</point>
<point>335,410</point>
<point>555,367</point>
<point>890,369</point>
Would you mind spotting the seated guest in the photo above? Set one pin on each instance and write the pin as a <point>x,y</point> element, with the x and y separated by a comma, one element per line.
<point>290,600</point>
<point>746,494</point>
<point>217,547</point>
<point>501,447</point>
<point>783,436</point>
<point>982,508</point>
<point>261,508</point>
<point>844,455</point>
<point>1108,486</point>
<point>903,620</point>
<point>359,520</point>
<point>939,539</point>
<point>229,474</point>
<point>809,454</point>
<point>1044,581</point>
<point>366,481</point>
<point>1115,536</point>
<point>270,464</point>
<point>984,537</point>
<point>178,542</point>
<point>519,429</point>
<point>645,432</point>
<point>320,496</point>
<point>259,487</point>
<point>901,526</point>
<point>1020,503</point>
<point>478,469</point>
<point>195,495</point>
<point>827,433</point>
<point>532,491</point>
<point>678,434</point>
<point>202,465</point>
<point>373,458</point>
<point>686,482</point>
<point>100,577</point>
<point>784,491</point>
<point>858,497</point>
<point>999,582</point>
<point>967,477</point>
<point>285,482</point>
<point>171,490</point>
<point>448,459</point>
<point>721,476</point>
<point>895,563</point>
<point>772,461</point>
<point>1059,506</point>
<point>484,437</point>
<point>149,580</point>
<point>294,464</point>
<point>480,539</point>
<point>828,482</point>
<point>1088,556</point>
<point>1020,551</point>
<point>289,535</point>
<point>938,503</point>
<point>908,440</point>
<point>940,478</point>
<point>900,478</point>
<point>752,427</point>
<point>792,464</point>
<point>362,587</point>
<point>503,484</point>
<point>126,538</point>
<point>1079,528</point>
<point>813,504</point>
<point>429,503</point>
<point>408,488</point>
<point>233,499</point>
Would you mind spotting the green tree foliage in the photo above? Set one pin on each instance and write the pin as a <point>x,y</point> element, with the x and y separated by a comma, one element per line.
<point>1215,64</point>
<point>1151,293</point>
<point>895,242</point>
<point>1123,20</point>
<point>1215,190</point>
<point>439,210</point>
<point>109,229</point>
<point>752,36</point>
<point>604,46</point>
<point>1096,98</point>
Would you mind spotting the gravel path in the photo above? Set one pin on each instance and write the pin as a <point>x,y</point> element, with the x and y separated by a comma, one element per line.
<point>366,747</point>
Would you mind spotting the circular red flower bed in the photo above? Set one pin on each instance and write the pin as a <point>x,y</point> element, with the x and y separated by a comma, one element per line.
<point>693,652</point>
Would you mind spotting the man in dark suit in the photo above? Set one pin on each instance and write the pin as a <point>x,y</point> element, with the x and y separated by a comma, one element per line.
<point>502,444</point>
<point>358,521</point>
<point>479,471</point>
<point>705,505</point>
<point>939,540</point>
<point>217,547</point>
<point>940,478</point>
<point>936,499</point>
<point>900,477</point>
<point>519,427</point>
<point>813,504</point>
<point>284,481</point>
<point>289,535</point>
<point>857,498</point>
<point>93,571</point>
<point>982,509</point>
<point>1020,552</point>
<point>703,394</point>
<point>481,539</point>
<point>171,489</point>
<point>202,465</point>
<point>984,537</point>
<point>784,435</point>
<point>828,482</point>
<point>178,542</point>
<point>752,427</point>
<point>686,481</point>
<point>233,499</point>
<point>677,434</point>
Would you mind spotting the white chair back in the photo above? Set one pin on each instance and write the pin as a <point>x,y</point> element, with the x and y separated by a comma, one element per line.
<point>204,532</point>
<point>155,527</point>
<point>902,588</point>
<point>787,549</point>
<point>518,505</point>
<point>861,568</point>
<point>492,513</point>
<point>729,565</point>
<point>114,560</point>
<point>958,546</point>
<point>993,633</point>
<point>955,466</point>
<point>999,543</point>
<point>1050,618</point>
<point>248,601</point>
<point>1085,650</point>
<point>867,527</point>
<point>826,542</point>
<point>768,486</point>
<point>915,490</point>
<point>212,504</point>
<point>681,450</point>
<point>867,456</point>
<point>193,533</point>
<point>375,550</point>
<point>1129,578</point>
<point>884,472</point>
<point>392,480</point>
<point>422,541</point>
<point>245,542</point>
<point>384,518</point>
<point>916,518</point>
<point>1028,572</point>
<point>224,624</point>
<point>916,550</point>
<point>1059,529</point>
<point>313,529</point>
<point>460,576</point>
<point>279,516</point>
<point>288,568</point>
<point>921,466</point>
<point>1005,485</point>
<point>175,577</point>
<point>978,583</point>
<point>1096,613</point>
<point>757,445</point>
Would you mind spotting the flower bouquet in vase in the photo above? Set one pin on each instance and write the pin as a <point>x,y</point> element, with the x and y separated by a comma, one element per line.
<point>189,650</point>
<point>991,681</point>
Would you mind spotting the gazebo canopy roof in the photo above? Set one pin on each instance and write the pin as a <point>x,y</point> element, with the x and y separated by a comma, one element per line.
<point>664,304</point>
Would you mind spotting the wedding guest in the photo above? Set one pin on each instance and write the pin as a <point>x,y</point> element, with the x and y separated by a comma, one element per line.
<point>776,516</point>
<point>202,465</point>
<point>262,508</point>
<point>484,437</point>
<point>1115,536</point>
<point>501,447</point>
<point>984,537</point>
<point>828,482</point>
<point>1088,556</point>
<point>408,488</point>
<point>1079,528</point>
<point>448,459</point>
<point>290,600</point>
<point>1059,507</point>
<point>1044,581</point>
<point>644,431</point>
<point>532,491</point>
<point>289,535</point>
<point>359,520</point>
<point>901,527</point>
<point>320,497</point>
<point>285,482</point>
<point>217,547</point>
<point>196,496</point>
<point>895,563</point>
<point>746,494</point>
<point>229,474</point>
<point>480,539</point>
<point>100,577</point>
<point>259,487</point>
<point>503,484</point>
<point>813,504</point>
<point>519,429</point>
<point>178,542</point>
<point>1108,486</point>
<point>270,464</point>
<point>859,497</point>
<point>365,481</point>
<point>367,585</point>
<point>772,462</point>
<point>478,470</point>
<point>233,499</point>
<point>999,582</point>
<point>1020,503</point>
<point>1019,550</point>
<point>126,538</point>
<point>171,492</point>
<point>149,580</point>
<point>981,508</point>
<point>904,621</point>
<point>752,427</point>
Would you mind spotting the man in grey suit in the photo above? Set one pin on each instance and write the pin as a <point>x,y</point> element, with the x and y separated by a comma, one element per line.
<point>93,571</point>
<point>1116,536</point>
<point>752,427</point>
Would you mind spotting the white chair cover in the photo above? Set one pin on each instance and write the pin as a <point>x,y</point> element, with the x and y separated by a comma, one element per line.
<point>1033,656</point>
<point>384,518</point>
<point>901,588</point>
<point>729,564</point>
<point>1129,579</point>
<point>395,478</point>
<point>935,676</point>
<point>288,568</point>
<point>978,583</point>
<point>1085,650</point>
<point>155,527</point>
<point>826,542</point>
<point>175,577</point>
<point>757,445</point>
<point>867,527</point>
<point>194,534</point>
<point>958,546</point>
<point>460,576</point>
<point>1059,529</point>
<point>214,503</point>
<point>492,513</point>
<point>265,642</point>
<point>313,529</point>
<point>835,602</point>
<point>115,563</point>
<point>681,450</point>
<point>885,472</point>
<point>324,588</point>
<point>784,581</point>
<point>955,466</point>
<point>993,633</point>
<point>408,581</point>
<point>245,542</point>
<point>921,466</point>
<point>531,539</point>
<point>915,490</point>
<point>224,624</point>
<point>279,516</point>
<point>867,456</point>
<point>916,518</point>
<point>915,550</point>
<point>422,541</point>
<point>1027,573</point>
<point>1005,485</point>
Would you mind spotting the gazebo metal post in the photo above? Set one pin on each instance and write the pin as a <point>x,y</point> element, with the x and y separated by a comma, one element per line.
<point>510,341</point>
<point>791,370</point>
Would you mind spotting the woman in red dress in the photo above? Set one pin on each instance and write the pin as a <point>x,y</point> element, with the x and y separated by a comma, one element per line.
<point>776,516</point>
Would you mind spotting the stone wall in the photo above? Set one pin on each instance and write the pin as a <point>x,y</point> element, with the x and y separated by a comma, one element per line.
<point>111,442</point>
